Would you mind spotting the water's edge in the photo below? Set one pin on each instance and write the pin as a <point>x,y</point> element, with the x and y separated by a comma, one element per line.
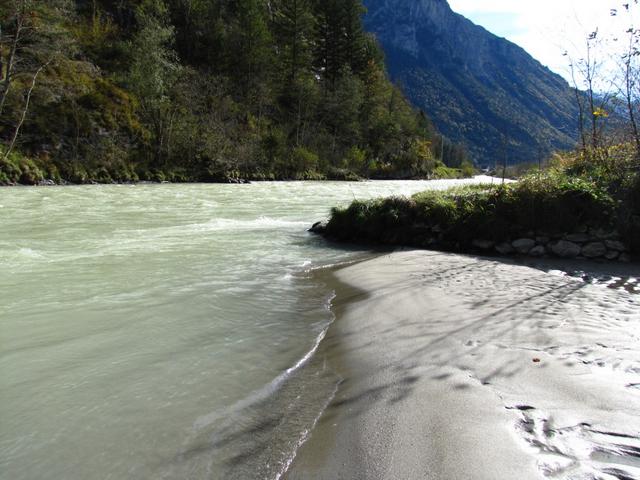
<point>319,452</point>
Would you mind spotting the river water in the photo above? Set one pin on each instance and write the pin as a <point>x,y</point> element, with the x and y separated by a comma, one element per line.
<point>165,331</point>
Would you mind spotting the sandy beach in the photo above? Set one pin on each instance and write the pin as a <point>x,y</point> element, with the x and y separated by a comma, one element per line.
<point>458,367</point>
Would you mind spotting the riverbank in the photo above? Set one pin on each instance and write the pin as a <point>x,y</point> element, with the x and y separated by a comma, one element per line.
<point>18,169</point>
<point>585,205</point>
<point>466,367</point>
<point>337,176</point>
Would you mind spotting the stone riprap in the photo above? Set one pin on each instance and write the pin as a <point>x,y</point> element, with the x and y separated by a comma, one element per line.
<point>587,243</point>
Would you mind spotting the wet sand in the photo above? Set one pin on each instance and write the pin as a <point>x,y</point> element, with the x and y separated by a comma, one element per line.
<point>458,367</point>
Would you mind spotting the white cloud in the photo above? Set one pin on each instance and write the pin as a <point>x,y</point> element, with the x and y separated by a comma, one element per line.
<point>545,28</point>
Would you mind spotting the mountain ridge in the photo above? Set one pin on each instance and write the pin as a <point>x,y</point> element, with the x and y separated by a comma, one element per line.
<point>480,89</point>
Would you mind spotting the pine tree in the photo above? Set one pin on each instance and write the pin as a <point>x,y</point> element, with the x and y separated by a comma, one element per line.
<point>328,53</point>
<point>249,48</point>
<point>294,23</point>
<point>354,40</point>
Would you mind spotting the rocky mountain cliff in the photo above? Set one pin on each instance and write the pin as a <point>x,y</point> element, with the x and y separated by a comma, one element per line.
<point>480,89</point>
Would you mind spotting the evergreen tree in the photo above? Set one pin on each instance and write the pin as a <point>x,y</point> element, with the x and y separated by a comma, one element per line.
<point>294,23</point>
<point>329,55</point>
<point>249,48</point>
<point>354,41</point>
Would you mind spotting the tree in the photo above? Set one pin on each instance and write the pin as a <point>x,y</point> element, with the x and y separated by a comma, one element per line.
<point>592,89</point>
<point>354,40</point>
<point>342,110</point>
<point>328,52</point>
<point>17,15</point>
<point>628,82</point>
<point>154,70</point>
<point>249,46</point>
<point>294,23</point>
<point>35,37</point>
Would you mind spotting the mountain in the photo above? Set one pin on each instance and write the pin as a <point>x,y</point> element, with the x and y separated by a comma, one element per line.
<point>479,89</point>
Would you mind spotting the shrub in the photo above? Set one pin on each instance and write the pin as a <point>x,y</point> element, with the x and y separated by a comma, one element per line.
<point>355,159</point>
<point>18,168</point>
<point>467,169</point>
<point>303,160</point>
<point>444,172</point>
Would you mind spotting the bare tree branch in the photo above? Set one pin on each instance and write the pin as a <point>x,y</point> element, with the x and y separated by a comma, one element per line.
<point>26,108</point>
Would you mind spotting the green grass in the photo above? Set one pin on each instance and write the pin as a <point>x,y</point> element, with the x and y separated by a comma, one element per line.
<point>550,202</point>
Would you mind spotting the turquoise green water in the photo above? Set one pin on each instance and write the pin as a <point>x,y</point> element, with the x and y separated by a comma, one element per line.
<point>164,331</point>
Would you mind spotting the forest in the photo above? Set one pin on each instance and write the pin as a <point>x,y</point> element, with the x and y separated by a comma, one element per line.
<point>204,90</point>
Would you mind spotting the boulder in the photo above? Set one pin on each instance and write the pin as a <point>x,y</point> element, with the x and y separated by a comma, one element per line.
<point>624,258</point>
<point>319,227</point>
<point>543,240</point>
<point>612,255</point>
<point>594,250</point>
<point>537,251</point>
<point>566,249</point>
<point>482,244</point>
<point>523,245</point>
<point>616,245</point>
<point>504,248</point>
<point>579,237</point>
<point>603,234</point>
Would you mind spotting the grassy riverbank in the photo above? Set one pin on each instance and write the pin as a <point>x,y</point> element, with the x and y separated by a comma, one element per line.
<point>599,193</point>
<point>20,169</point>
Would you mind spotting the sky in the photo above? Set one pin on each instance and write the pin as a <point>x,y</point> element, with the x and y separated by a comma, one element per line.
<point>547,28</point>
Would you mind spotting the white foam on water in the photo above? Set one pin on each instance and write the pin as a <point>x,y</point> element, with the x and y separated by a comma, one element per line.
<point>30,253</point>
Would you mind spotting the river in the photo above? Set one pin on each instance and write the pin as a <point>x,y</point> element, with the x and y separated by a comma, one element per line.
<point>165,331</point>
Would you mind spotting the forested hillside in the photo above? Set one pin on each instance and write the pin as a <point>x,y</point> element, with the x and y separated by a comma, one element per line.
<point>202,90</point>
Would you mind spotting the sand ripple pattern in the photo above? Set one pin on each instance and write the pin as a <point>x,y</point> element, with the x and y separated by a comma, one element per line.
<point>574,324</point>
<point>482,368</point>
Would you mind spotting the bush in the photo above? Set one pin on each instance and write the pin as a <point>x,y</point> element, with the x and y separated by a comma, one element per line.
<point>18,168</point>
<point>355,159</point>
<point>342,175</point>
<point>443,172</point>
<point>302,160</point>
<point>467,169</point>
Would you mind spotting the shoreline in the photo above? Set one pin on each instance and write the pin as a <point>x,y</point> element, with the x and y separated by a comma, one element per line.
<point>239,181</point>
<point>436,373</point>
<point>235,181</point>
